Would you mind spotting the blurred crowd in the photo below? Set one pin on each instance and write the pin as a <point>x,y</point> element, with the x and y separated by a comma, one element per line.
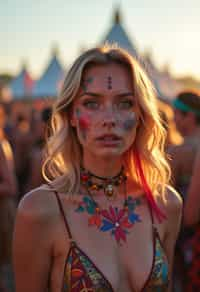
<point>22,138</point>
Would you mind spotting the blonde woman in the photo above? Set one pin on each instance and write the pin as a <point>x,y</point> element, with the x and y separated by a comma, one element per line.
<point>106,220</point>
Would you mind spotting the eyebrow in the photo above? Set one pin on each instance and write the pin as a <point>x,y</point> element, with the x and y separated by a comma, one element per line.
<point>94,94</point>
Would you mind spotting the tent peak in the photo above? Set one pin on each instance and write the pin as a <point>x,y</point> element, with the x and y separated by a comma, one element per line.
<point>117,15</point>
<point>55,50</point>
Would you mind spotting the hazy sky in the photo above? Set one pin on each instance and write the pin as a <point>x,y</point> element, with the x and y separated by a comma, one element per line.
<point>30,28</point>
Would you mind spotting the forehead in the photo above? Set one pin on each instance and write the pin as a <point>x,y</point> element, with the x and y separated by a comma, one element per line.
<point>98,75</point>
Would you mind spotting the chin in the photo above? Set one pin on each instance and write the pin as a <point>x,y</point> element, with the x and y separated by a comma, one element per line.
<point>109,154</point>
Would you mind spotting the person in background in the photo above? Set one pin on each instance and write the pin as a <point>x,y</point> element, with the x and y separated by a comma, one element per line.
<point>35,178</point>
<point>192,218</point>
<point>8,196</point>
<point>192,204</point>
<point>167,116</point>
<point>187,119</point>
<point>22,142</point>
<point>107,220</point>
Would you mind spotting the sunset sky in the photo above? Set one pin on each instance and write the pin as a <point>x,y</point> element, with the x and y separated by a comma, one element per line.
<point>30,28</point>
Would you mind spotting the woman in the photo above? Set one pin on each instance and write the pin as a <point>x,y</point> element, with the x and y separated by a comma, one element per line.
<point>187,119</point>
<point>106,221</point>
<point>35,178</point>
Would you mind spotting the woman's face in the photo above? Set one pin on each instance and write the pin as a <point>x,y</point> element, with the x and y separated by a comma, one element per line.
<point>105,112</point>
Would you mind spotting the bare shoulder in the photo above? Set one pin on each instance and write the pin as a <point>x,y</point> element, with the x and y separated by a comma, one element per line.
<point>172,205</point>
<point>172,201</point>
<point>38,205</point>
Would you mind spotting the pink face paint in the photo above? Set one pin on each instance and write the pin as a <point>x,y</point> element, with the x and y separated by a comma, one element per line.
<point>84,124</point>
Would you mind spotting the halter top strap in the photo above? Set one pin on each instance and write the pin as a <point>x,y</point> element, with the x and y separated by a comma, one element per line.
<point>63,215</point>
<point>152,218</point>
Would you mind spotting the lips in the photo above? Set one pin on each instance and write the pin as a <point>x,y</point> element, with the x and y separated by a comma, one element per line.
<point>109,138</point>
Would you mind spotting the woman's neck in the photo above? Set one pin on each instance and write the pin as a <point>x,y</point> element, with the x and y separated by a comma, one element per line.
<point>103,167</point>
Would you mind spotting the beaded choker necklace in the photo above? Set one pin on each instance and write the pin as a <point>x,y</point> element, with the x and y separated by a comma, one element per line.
<point>107,184</point>
<point>115,220</point>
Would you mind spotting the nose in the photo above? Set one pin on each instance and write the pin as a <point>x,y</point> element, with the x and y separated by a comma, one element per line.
<point>109,124</point>
<point>109,119</point>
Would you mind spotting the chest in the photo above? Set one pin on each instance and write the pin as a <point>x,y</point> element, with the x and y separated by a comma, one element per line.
<point>126,266</point>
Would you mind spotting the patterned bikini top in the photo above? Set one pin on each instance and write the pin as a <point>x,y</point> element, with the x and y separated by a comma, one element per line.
<point>81,273</point>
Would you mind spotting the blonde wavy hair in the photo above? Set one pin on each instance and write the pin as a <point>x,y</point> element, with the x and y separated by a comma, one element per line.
<point>63,151</point>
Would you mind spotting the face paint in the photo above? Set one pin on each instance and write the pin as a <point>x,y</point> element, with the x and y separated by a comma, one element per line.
<point>84,123</point>
<point>105,111</point>
<point>109,80</point>
<point>129,124</point>
<point>86,82</point>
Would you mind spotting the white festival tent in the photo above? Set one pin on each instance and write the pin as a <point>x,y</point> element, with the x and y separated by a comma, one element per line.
<point>118,35</point>
<point>49,83</point>
<point>165,85</point>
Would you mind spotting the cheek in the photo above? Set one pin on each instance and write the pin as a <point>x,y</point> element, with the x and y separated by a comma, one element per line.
<point>129,123</point>
<point>83,120</point>
<point>87,121</point>
<point>84,123</point>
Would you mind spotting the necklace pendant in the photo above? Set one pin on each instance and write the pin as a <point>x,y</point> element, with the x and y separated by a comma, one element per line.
<point>109,191</point>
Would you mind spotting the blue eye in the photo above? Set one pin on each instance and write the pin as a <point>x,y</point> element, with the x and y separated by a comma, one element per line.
<point>125,104</point>
<point>91,104</point>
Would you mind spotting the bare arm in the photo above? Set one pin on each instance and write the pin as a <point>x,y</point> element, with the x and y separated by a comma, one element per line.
<point>8,183</point>
<point>173,222</point>
<point>192,204</point>
<point>33,243</point>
